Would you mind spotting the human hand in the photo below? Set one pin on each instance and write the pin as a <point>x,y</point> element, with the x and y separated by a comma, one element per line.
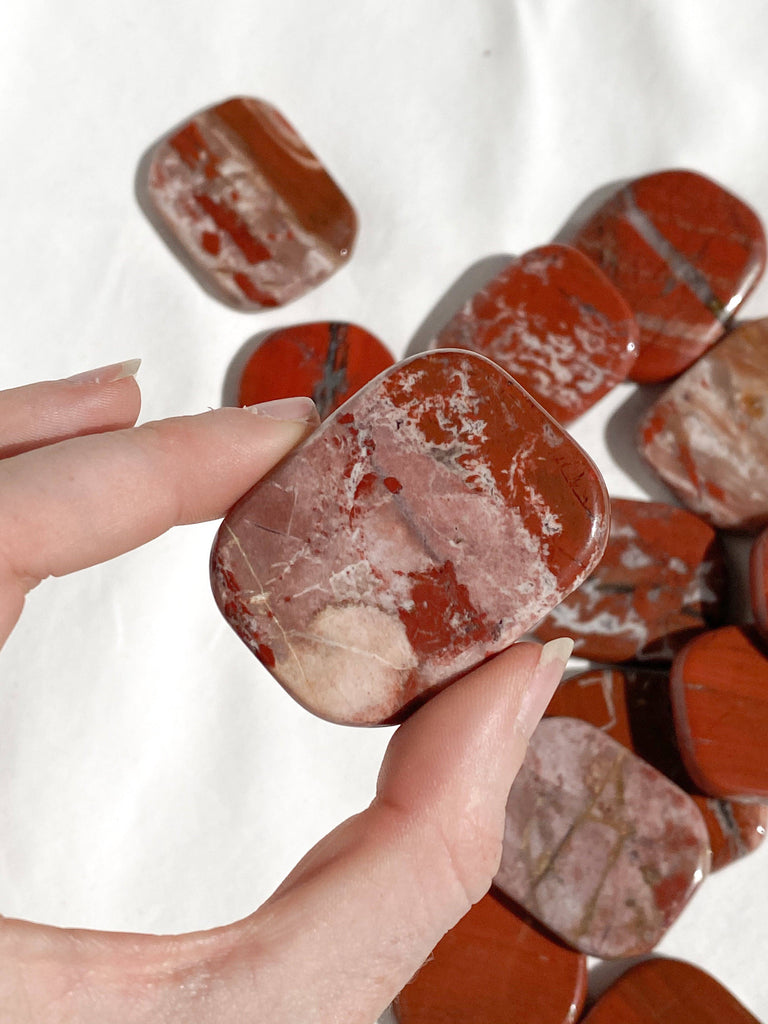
<point>79,484</point>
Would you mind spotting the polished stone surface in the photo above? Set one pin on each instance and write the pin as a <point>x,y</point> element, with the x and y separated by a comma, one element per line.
<point>327,361</point>
<point>719,687</point>
<point>556,324</point>
<point>633,706</point>
<point>598,845</point>
<point>252,208</point>
<point>661,580</point>
<point>423,527</point>
<point>662,991</point>
<point>758,575</point>
<point>684,253</point>
<point>489,970</point>
<point>707,435</point>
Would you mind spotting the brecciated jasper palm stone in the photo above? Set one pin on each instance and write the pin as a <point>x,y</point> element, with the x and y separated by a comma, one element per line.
<point>598,845</point>
<point>684,253</point>
<point>427,524</point>
<point>719,688</point>
<point>707,435</point>
<point>662,991</point>
<point>327,361</point>
<point>633,706</point>
<point>489,970</point>
<point>758,572</point>
<point>250,205</point>
<point>556,324</point>
<point>661,580</point>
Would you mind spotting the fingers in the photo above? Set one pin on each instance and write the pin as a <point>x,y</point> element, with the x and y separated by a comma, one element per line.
<point>41,414</point>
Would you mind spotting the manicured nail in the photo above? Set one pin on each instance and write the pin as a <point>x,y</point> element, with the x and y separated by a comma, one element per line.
<point>299,409</point>
<point>107,374</point>
<point>546,678</point>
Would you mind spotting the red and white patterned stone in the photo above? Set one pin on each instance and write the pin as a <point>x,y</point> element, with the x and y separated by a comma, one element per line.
<point>707,436</point>
<point>252,207</point>
<point>758,573</point>
<point>426,525</point>
<point>684,253</point>
<point>556,324</point>
<point>661,581</point>
<point>600,847</point>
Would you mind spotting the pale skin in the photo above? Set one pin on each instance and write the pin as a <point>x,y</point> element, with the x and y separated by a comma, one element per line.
<point>362,911</point>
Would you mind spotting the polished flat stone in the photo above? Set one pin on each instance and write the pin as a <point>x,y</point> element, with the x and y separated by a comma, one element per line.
<point>633,706</point>
<point>426,525</point>
<point>684,253</point>
<point>662,991</point>
<point>661,581</point>
<point>600,847</point>
<point>327,361</point>
<point>758,575</point>
<point>489,970</point>
<point>556,324</point>
<point>707,435</point>
<point>719,687</point>
<point>250,206</point>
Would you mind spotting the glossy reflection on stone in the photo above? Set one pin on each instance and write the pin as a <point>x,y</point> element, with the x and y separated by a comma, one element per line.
<point>599,846</point>
<point>684,253</point>
<point>427,524</point>
<point>251,206</point>
<point>556,324</point>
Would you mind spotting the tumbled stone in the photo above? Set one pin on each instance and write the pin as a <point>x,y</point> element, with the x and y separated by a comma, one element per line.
<point>633,706</point>
<point>250,205</point>
<point>556,324</point>
<point>598,845</point>
<point>719,687</point>
<point>684,253</point>
<point>758,572</point>
<point>707,435</point>
<point>489,969</point>
<point>424,526</point>
<point>326,361</point>
<point>662,991</point>
<point>661,581</point>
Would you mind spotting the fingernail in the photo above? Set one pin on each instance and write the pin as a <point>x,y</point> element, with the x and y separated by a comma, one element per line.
<point>299,409</point>
<point>546,677</point>
<point>107,374</point>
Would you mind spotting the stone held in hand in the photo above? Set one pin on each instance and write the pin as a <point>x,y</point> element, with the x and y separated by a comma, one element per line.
<point>250,205</point>
<point>426,525</point>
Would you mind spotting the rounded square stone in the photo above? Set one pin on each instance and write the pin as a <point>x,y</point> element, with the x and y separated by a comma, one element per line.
<point>426,525</point>
<point>250,205</point>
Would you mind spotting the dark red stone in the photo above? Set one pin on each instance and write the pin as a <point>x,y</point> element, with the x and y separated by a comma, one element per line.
<point>425,525</point>
<point>661,581</point>
<point>326,361</point>
<point>684,253</point>
<point>758,571</point>
<point>489,969</point>
<point>719,687</point>
<point>556,324</point>
<point>599,846</point>
<point>252,207</point>
<point>633,706</point>
<point>662,991</point>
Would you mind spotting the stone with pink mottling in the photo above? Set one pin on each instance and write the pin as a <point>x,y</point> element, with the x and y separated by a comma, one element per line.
<point>426,525</point>
<point>556,324</point>
<point>600,847</point>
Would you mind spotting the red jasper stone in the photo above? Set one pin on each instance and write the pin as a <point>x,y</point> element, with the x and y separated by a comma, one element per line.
<point>427,524</point>
<point>707,436</point>
<point>556,324</point>
<point>684,253</point>
<point>719,687</point>
<point>661,581</point>
<point>758,572</point>
<point>598,845</point>
<point>633,706</point>
<point>327,362</point>
<point>251,206</point>
<point>489,969</point>
<point>662,991</point>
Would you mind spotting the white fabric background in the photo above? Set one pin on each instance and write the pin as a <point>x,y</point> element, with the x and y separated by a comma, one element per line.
<point>152,777</point>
